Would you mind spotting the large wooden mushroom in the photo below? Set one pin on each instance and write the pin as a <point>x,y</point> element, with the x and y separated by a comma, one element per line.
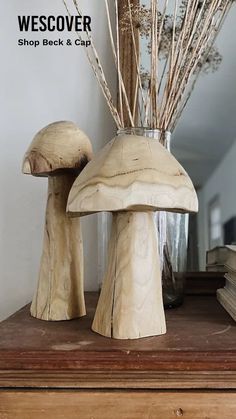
<point>132,176</point>
<point>59,151</point>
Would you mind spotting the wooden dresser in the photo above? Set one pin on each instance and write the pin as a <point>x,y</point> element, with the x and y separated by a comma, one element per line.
<point>63,370</point>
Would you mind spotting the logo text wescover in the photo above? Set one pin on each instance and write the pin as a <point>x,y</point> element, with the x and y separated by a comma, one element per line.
<point>54,23</point>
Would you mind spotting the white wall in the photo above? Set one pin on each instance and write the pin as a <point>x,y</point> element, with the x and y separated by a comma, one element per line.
<point>222,183</point>
<point>39,86</point>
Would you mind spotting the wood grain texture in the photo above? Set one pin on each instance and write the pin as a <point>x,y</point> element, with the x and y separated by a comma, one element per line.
<point>128,61</point>
<point>199,351</point>
<point>155,380</point>
<point>58,146</point>
<point>119,404</point>
<point>59,151</point>
<point>130,305</point>
<point>132,173</point>
<point>60,291</point>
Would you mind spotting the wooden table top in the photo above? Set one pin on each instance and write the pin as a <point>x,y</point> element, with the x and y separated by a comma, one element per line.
<point>199,349</point>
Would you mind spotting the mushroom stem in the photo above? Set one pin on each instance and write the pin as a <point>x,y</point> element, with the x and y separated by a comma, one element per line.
<point>60,294</point>
<point>130,305</point>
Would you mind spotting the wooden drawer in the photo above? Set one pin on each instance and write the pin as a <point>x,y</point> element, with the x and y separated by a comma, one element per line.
<point>116,404</point>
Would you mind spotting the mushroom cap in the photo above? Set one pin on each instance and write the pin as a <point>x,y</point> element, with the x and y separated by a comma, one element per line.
<point>133,173</point>
<point>58,146</point>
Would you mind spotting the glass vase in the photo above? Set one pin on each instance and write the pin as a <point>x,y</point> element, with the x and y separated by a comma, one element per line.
<point>172,230</point>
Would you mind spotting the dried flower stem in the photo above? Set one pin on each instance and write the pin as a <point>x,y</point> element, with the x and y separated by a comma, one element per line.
<point>166,61</point>
<point>117,63</point>
<point>197,53</point>
<point>136,52</point>
<point>188,32</point>
<point>178,44</point>
<point>172,51</point>
<point>214,33</point>
<point>96,65</point>
<point>136,97</point>
<point>153,65</point>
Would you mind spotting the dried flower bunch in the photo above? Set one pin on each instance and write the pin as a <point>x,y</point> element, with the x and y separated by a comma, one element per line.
<point>179,36</point>
<point>142,18</point>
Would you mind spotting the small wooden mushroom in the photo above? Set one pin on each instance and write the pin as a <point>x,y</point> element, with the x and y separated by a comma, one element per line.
<point>59,151</point>
<point>132,176</point>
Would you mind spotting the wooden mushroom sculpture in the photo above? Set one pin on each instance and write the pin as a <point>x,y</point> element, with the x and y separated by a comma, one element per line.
<point>59,151</point>
<point>132,176</point>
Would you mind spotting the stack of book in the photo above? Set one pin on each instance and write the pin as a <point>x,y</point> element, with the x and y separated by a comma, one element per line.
<point>224,258</point>
<point>216,259</point>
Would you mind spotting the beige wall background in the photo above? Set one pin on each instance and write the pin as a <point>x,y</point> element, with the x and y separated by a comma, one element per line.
<point>39,86</point>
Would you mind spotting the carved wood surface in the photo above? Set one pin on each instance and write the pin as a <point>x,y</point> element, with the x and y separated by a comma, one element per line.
<point>133,173</point>
<point>58,146</point>
<point>59,151</point>
<point>130,305</point>
<point>60,291</point>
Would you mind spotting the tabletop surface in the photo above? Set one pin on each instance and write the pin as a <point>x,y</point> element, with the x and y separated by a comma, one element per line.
<point>200,335</point>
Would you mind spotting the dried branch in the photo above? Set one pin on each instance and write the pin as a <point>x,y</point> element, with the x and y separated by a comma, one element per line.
<point>178,43</point>
<point>117,63</point>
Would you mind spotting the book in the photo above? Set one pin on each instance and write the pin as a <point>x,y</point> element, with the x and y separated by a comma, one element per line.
<point>231,257</point>
<point>227,295</point>
<point>228,301</point>
<point>230,273</point>
<point>216,268</point>
<point>230,285</point>
<point>217,255</point>
<point>221,255</point>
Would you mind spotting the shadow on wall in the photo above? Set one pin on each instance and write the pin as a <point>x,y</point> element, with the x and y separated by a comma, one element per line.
<point>55,84</point>
<point>21,234</point>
